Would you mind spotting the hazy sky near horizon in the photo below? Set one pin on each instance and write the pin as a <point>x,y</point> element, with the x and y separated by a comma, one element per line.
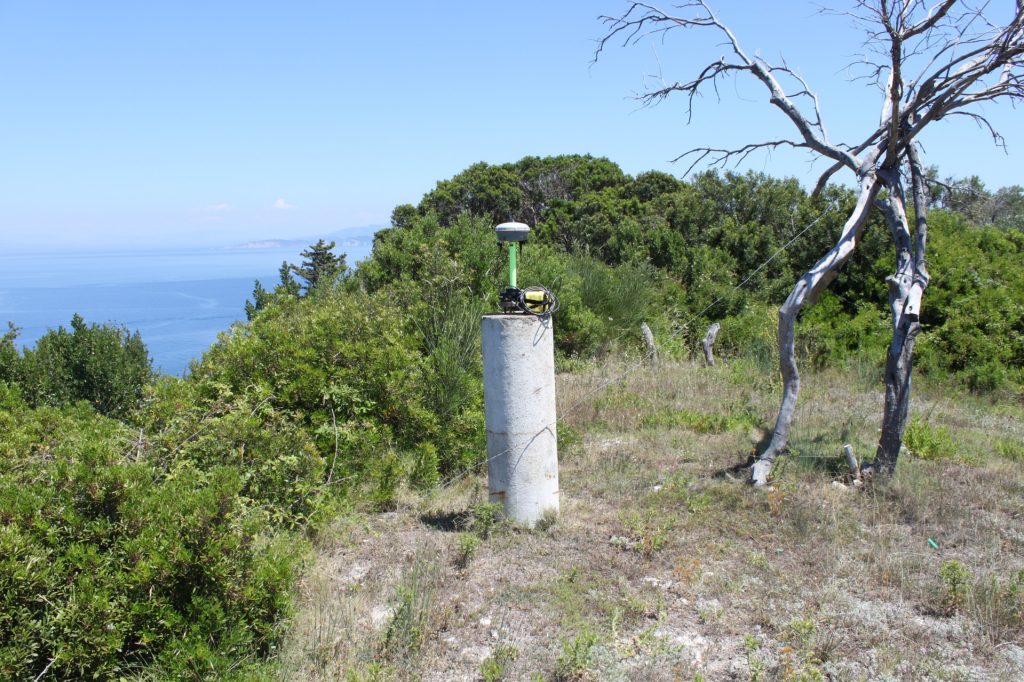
<point>198,123</point>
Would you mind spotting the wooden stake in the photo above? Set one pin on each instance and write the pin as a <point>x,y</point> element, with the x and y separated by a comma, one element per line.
<point>851,461</point>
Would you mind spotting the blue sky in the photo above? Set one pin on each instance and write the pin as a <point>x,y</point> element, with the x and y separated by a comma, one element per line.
<point>151,124</point>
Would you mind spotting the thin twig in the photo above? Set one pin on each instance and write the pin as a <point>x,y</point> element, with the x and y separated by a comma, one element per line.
<point>40,675</point>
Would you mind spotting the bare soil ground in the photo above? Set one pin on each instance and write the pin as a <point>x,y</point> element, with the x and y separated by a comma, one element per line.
<point>665,565</point>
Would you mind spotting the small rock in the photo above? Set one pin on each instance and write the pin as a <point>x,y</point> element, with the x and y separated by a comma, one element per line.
<point>1015,655</point>
<point>485,622</point>
<point>656,582</point>
<point>380,614</point>
<point>696,645</point>
<point>477,654</point>
<point>356,573</point>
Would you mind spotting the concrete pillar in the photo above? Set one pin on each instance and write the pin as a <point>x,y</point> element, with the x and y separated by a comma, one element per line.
<point>519,408</point>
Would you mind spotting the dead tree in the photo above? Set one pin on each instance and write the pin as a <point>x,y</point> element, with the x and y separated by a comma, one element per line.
<point>929,62</point>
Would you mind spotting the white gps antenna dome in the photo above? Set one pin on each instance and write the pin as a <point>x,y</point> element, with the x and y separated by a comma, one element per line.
<point>512,232</point>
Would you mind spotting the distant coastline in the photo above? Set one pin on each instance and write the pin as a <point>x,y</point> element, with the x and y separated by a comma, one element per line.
<point>347,238</point>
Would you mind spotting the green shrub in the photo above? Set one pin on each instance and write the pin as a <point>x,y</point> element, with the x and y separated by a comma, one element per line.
<point>468,545</point>
<point>829,336</point>
<point>929,442</point>
<point>345,368</point>
<point>281,468</point>
<point>956,585</point>
<point>425,474</point>
<point>104,365</point>
<point>110,563</point>
<point>10,359</point>
<point>575,661</point>
<point>385,477</point>
<point>1012,450</point>
<point>751,333</point>
<point>495,666</point>
<point>484,518</point>
<point>973,316</point>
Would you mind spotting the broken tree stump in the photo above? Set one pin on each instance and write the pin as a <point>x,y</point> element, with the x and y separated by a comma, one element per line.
<point>652,350</point>
<point>708,342</point>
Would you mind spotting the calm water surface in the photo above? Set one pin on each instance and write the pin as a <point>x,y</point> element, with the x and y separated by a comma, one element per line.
<point>178,300</point>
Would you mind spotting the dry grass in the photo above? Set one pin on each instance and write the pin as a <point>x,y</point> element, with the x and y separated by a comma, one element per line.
<point>665,566</point>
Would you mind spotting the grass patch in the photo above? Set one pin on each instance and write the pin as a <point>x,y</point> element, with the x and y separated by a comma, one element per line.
<point>412,613</point>
<point>495,667</point>
<point>646,531</point>
<point>675,557</point>
<point>1010,449</point>
<point>698,422</point>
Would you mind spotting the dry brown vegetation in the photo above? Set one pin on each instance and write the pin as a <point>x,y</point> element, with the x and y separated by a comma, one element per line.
<point>665,565</point>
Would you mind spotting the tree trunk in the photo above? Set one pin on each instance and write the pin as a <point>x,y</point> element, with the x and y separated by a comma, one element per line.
<point>708,343</point>
<point>898,367</point>
<point>906,289</point>
<point>807,290</point>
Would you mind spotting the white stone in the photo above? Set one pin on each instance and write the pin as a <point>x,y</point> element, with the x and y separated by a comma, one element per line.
<point>380,614</point>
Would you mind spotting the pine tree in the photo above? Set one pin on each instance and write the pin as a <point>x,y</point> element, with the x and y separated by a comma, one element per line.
<point>320,266</point>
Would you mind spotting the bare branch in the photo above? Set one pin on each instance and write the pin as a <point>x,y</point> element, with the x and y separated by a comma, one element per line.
<point>934,16</point>
<point>836,167</point>
<point>984,123</point>
<point>921,276</point>
<point>722,157</point>
<point>642,20</point>
<point>962,59</point>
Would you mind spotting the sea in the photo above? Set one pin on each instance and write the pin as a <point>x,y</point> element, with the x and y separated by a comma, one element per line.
<point>178,300</point>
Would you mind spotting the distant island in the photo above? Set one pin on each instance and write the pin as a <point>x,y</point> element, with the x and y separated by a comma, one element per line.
<point>347,237</point>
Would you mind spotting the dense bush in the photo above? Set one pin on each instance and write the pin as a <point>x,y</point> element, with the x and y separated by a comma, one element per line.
<point>619,250</point>
<point>104,365</point>
<point>110,563</point>
<point>362,374</point>
<point>973,312</point>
